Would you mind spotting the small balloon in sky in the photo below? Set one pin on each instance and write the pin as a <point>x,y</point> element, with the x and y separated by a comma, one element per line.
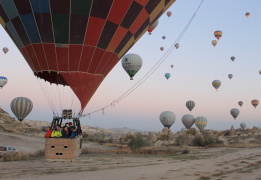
<point>131,63</point>
<point>230,76</point>
<point>218,34</point>
<point>3,81</point>
<point>5,49</point>
<point>167,75</point>
<point>240,103</point>
<point>167,118</point>
<point>169,13</point>
<point>259,71</point>
<point>153,26</point>
<point>255,102</point>
<point>214,43</point>
<point>233,58</point>
<point>243,125</point>
<point>171,66</point>
<point>161,48</point>
<point>216,84</point>
<point>163,37</point>
<point>190,105</point>
<point>247,14</point>
<point>177,45</point>
<point>234,112</point>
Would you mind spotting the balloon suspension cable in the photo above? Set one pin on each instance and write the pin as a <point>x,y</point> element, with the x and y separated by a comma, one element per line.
<point>152,70</point>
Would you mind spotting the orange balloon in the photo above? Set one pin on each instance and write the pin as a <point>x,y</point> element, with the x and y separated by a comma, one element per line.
<point>218,34</point>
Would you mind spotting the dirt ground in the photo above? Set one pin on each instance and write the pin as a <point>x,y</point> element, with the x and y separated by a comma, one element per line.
<point>211,163</point>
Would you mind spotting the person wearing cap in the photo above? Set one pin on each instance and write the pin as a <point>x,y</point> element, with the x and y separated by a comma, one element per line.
<point>56,132</point>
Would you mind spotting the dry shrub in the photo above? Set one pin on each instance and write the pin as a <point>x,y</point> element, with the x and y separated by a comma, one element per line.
<point>20,156</point>
<point>85,134</point>
<point>219,133</point>
<point>164,137</point>
<point>185,151</point>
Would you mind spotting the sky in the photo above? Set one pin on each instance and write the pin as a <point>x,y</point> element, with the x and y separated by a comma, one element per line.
<point>196,64</point>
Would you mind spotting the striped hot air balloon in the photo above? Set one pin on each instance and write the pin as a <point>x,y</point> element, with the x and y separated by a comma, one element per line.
<point>201,122</point>
<point>255,102</point>
<point>3,81</point>
<point>5,50</point>
<point>216,84</point>
<point>21,107</point>
<point>190,105</point>
<point>218,34</point>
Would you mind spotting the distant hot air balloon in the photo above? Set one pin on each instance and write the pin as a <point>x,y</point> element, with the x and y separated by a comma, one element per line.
<point>259,71</point>
<point>240,103</point>
<point>169,13</point>
<point>255,102</point>
<point>171,66</point>
<point>214,43</point>
<point>3,81</point>
<point>247,14</point>
<point>230,76</point>
<point>163,37</point>
<point>21,107</point>
<point>177,45</point>
<point>183,129</point>
<point>216,84</point>
<point>201,122</point>
<point>234,112</point>
<point>5,49</point>
<point>153,26</point>
<point>190,105</point>
<point>218,34</point>
<point>167,75</point>
<point>131,63</point>
<point>167,118</point>
<point>161,48</point>
<point>243,125</point>
<point>188,120</point>
<point>233,58</point>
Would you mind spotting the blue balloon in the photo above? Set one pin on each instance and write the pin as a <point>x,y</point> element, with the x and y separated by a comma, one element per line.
<point>163,37</point>
<point>167,75</point>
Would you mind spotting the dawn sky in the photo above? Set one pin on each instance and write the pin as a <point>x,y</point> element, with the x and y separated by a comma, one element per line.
<point>196,64</point>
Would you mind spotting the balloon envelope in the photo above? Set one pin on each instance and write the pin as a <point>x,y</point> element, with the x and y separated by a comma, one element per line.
<point>167,75</point>
<point>163,37</point>
<point>216,84</point>
<point>153,26</point>
<point>167,118</point>
<point>233,58</point>
<point>161,48</point>
<point>169,13</point>
<point>201,122</point>
<point>214,43</point>
<point>188,120</point>
<point>247,14</point>
<point>177,45</point>
<point>234,112</point>
<point>243,125</point>
<point>230,76</point>
<point>5,50</point>
<point>3,81</point>
<point>218,34</point>
<point>77,43</point>
<point>171,66</point>
<point>259,71</point>
<point>255,102</point>
<point>131,63</point>
<point>21,107</point>
<point>240,103</point>
<point>190,105</point>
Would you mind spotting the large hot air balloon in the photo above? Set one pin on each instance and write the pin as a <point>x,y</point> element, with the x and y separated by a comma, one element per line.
<point>233,58</point>
<point>234,112</point>
<point>167,75</point>
<point>131,63</point>
<point>153,26</point>
<point>216,84</point>
<point>177,45</point>
<point>214,43</point>
<point>243,125</point>
<point>21,107</point>
<point>190,105</point>
<point>230,76</point>
<point>5,50</point>
<point>3,81</point>
<point>255,102</point>
<point>247,14</point>
<point>161,48</point>
<point>201,122</point>
<point>167,118</point>
<point>77,43</point>
<point>163,37</point>
<point>171,66</point>
<point>240,103</point>
<point>218,34</point>
<point>188,120</point>
<point>169,13</point>
<point>183,129</point>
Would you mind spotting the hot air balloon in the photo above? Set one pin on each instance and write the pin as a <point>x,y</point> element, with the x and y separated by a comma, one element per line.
<point>234,112</point>
<point>190,105</point>
<point>167,118</point>
<point>232,58</point>
<point>214,43</point>
<point>230,76</point>
<point>201,122</point>
<point>5,50</point>
<point>163,37</point>
<point>188,120</point>
<point>131,63</point>
<point>21,107</point>
<point>177,45</point>
<point>216,84</point>
<point>169,13</point>
<point>247,14</point>
<point>153,26</point>
<point>259,71</point>
<point>218,34</point>
<point>255,103</point>
<point>3,81</point>
<point>240,103</point>
<point>171,66</point>
<point>77,43</point>
<point>167,75</point>
<point>183,129</point>
<point>161,48</point>
<point>243,125</point>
